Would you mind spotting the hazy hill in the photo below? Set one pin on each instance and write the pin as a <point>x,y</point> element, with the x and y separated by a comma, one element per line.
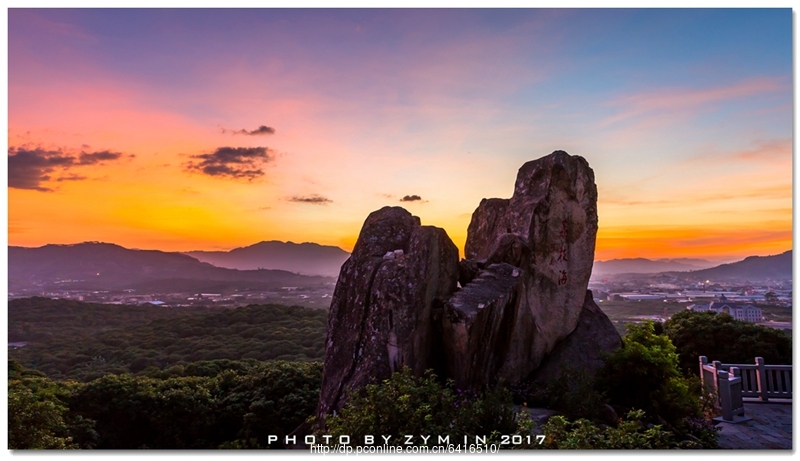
<point>751,268</point>
<point>302,258</point>
<point>648,266</point>
<point>104,266</point>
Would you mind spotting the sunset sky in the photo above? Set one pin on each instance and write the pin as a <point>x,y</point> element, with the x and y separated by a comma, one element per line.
<point>213,129</point>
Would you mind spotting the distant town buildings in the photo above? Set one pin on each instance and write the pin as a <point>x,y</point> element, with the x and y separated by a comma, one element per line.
<point>317,296</point>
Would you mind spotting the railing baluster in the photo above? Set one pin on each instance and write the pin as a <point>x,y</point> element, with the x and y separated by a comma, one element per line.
<point>771,387</point>
<point>746,381</point>
<point>785,378</point>
<point>788,374</point>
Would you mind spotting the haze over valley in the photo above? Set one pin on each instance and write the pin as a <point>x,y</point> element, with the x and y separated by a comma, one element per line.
<point>103,272</point>
<point>305,274</point>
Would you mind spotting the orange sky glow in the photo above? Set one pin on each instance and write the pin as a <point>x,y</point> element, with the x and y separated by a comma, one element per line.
<point>114,139</point>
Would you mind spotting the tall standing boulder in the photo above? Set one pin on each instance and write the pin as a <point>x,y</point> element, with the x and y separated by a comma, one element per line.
<point>547,231</point>
<point>380,316</point>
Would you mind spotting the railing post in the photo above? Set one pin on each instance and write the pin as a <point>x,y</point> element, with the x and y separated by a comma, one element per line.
<point>725,395</point>
<point>703,361</point>
<point>717,367</point>
<point>737,405</point>
<point>761,377</point>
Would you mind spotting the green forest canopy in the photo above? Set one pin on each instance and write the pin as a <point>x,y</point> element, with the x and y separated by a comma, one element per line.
<point>262,332</point>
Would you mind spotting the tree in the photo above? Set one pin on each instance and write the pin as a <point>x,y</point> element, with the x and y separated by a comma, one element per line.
<point>720,337</point>
<point>36,416</point>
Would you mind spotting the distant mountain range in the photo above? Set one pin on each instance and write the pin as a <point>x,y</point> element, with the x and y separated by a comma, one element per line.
<point>105,266</point>
<point>648,266</point>
<point>751,268</point>
<point>301,258</point>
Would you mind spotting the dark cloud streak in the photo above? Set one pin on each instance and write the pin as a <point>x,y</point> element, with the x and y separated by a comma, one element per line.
<point>312,199</point>
<point>72,177</point>
<point>260,131</point>
<point>28,168</point>
<point>411,198</point>
<point>234,162</point>
<point>92,158</point>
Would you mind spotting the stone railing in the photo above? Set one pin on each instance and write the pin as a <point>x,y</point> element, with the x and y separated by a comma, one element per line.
<point>733,383</point>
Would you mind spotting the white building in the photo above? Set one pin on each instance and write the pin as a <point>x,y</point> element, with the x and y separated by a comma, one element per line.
<point>744,313</point>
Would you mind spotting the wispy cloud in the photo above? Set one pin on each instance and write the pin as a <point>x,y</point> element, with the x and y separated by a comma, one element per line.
<point>411,198</point>
<point>769,151</point>
<point>312,199</point>
<point>680,200</point>
<point>72,177</point>
<point>233,162</point>
<point>680,99</point>
<point>29,168</point>
<point>762,151</point>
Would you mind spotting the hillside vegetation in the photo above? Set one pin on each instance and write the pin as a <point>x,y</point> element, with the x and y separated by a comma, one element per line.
<point>237,408</point>
<point>40,319</point>
<point>200,381</point>
<point>261,332</point>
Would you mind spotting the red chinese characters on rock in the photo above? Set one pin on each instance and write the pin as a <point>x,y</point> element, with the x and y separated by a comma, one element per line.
<point>562,252</point>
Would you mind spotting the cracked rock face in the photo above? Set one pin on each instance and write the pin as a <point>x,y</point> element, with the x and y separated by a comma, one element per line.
<point>380,317</point>
<point>478,323</point>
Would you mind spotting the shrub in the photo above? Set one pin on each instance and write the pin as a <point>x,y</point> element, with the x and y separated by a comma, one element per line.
<point>643,374</point>
<point>408,405</point>
<point>631,433</point>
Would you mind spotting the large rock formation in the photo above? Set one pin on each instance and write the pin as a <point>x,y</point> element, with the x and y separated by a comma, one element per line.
<point>523,286</point>
<point>546,231</point>
<point>380,317</point>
